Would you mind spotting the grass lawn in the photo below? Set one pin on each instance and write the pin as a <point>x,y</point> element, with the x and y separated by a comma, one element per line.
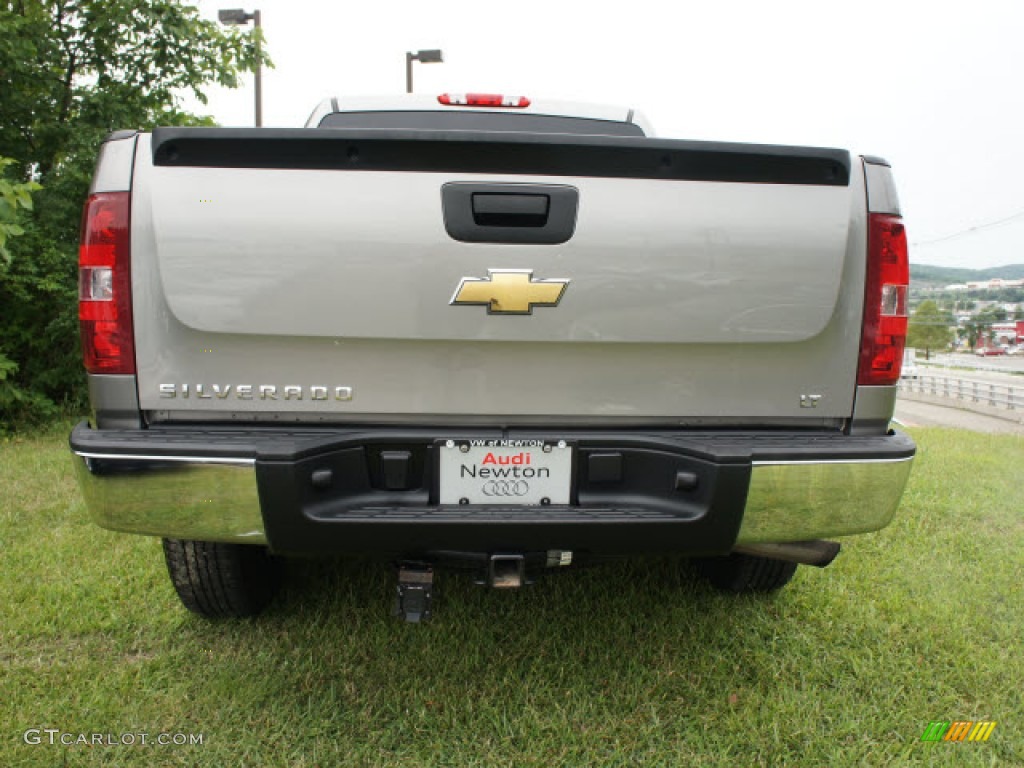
<point>636,663</point>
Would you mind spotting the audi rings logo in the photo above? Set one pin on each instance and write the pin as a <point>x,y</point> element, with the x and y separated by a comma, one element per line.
<point>506,488</point>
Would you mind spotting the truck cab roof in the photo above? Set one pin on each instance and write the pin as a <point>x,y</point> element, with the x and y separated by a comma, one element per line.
<point>423,111</point>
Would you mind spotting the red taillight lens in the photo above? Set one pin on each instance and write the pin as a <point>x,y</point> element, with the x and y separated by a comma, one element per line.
<point>884,333</point>
<point>482,100</point>
<point>104,285</point>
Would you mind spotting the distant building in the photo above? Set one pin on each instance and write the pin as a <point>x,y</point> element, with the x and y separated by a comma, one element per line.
<point>1008,333</point>
<point>994,284</point>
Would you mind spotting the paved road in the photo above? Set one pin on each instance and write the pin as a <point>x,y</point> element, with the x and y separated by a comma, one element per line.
<point>914,414</point>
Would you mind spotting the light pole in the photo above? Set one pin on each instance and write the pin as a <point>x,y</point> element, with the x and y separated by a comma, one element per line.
<point>236,17</point>
<point>432,56</point>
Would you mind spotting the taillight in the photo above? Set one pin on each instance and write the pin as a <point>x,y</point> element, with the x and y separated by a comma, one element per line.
<point>104,285</point>
<point>482,100</point>
<point>884,332</point>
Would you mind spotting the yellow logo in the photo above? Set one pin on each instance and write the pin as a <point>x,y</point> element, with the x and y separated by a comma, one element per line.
<point>510,291</point>
<point>958,730</point>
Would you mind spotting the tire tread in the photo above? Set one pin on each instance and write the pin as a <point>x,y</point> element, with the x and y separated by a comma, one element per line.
<point>220,580</point>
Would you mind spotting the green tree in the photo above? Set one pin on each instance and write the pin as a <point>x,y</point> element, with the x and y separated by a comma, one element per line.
<point>986,318</point>
<point>15,199</point>
<point>71,72</point>
<point>978,328</point>
<point>969,332</point>
<point>929,328</point>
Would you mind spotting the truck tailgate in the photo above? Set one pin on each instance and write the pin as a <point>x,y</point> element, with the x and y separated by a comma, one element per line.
<point>714,282</point>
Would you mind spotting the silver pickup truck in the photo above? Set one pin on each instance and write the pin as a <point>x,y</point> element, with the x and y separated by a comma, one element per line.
<point>490,331</point>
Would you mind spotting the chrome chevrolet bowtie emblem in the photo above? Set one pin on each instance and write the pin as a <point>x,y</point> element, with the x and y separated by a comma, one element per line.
<point>510,291</point>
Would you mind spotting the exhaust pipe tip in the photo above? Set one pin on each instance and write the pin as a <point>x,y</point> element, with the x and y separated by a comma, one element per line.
<point>817,552</point>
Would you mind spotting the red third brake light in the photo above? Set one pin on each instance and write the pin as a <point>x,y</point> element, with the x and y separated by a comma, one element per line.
<point>884,332</point>
<point>104,285</point>
<point>482,100</point>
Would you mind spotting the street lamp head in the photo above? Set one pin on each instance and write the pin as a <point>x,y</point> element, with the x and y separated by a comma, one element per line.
<point>433,56</point>
<point>234,17</point>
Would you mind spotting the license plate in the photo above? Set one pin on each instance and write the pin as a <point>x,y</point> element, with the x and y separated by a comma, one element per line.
<point>510,472</point>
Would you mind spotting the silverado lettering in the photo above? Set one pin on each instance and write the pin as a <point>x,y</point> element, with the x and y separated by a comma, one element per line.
<point>264,392</point>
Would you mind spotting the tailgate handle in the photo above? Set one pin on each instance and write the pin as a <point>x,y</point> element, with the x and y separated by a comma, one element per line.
<point>543,214</point>
<point>507,210</point>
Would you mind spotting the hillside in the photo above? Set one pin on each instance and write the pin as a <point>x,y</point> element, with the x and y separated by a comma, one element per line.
<point>942,276</point>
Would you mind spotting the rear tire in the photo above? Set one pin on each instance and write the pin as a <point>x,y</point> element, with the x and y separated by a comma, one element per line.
<point>218,580</point>
<point>740,573</point>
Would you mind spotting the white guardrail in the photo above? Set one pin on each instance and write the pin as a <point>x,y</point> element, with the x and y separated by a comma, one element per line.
<point>980,392</point>
<point>972,364</point>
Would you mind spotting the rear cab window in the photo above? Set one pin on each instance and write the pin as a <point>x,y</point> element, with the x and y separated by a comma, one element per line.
<point>433,120</point>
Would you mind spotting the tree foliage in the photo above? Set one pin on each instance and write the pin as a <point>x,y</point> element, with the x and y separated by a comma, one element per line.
<point>71,72</point>
<point>14,198</point>
<point>929,328</point>
<point>978,328</point>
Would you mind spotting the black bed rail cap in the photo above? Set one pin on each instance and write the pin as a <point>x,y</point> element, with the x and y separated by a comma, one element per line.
<point>499,153</point>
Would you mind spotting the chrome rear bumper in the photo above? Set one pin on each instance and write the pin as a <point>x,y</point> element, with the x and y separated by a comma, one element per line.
<point>797,500</point>
<point>177,493</point>
<point>179,499</point>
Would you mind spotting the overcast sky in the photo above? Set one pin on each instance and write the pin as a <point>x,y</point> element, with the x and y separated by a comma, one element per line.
<point>935,87</point>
